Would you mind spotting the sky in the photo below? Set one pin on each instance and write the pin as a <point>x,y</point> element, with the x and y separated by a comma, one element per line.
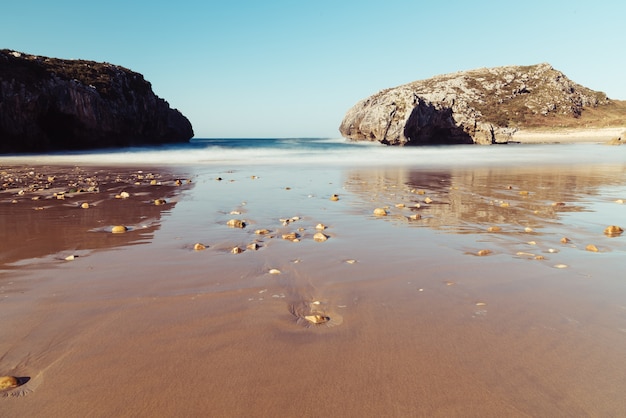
<point>293,68</point>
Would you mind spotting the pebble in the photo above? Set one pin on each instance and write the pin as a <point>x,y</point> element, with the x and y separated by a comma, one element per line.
<point>428,200</point>
<point>159,202</point>
<point>320,227</point>
<point>262,231</point>
<point>85,205</point>
<point>592,248</point>
<point>553,250</point>
<point>123,195</point>
<point>274,271</point>
<point>560,266</point>
<point>319,237</point>
<point>494,229</point>
<point>199,246</point>
<point>350,261</point>
<point>565,240</point>
<point>8,382</point>
<point>504,205</point>
<point>291,236</point>
<point>400,205</point>
<point>482,253</point>
<point>253,246</point>
<point>119,229</point>
<point>524,192</point>
<point>334,198</point>
<point>236,250</point>
<point>613,230</point>
<point>317,319</point>
<point>236,223</point>
<point>380,212</point>
<point>415,216</point>
<point>481,304</point>
<point>528,229</point>
<point>620,201</point>
<point>539,257</point>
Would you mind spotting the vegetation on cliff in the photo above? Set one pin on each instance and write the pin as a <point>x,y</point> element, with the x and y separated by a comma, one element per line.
<point>480,106</point>
<point>54,104</point>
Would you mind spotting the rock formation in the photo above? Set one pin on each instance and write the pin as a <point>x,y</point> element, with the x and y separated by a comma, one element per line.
<point>53,104</point>
<point>482,106</point>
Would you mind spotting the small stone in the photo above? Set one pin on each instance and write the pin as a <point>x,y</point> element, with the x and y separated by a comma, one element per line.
<point>262,231</point>
<point>524,192</point>
<point>428,200</point>
<point>380,212</point>
<point>400,205</point>
<point>319,237</point>
<point>321,227</point>
<point>317,319</point>
<point>159,202</point>
<point>539,257</point>
<point>236,250</point>
<point>415,217</point>
<point>153,182</point>
<point>558,204</point>
<point>483,253</point>
<point>553,250</point>
<point>505,205</point>
<point>274,271</point>
<point>85,205</point>
<point>236,223</point>
<point>119,229</point>
<point>422,192</point>
<point>565,240</point>
<point>291,236</point>
<point>592,248</point>
<point>253,246</point>
<point>613,230</point>
<point>70,257</point>
<point>124,195</point>
<point>560,266</point>
<point>481,304</point>
<point>494,229</point>
<point>199,246</point>
<point>351,261</point>
<point>8,382</point>
<point>334,198</point>
<point>528,229</point>
<point>620,201</point>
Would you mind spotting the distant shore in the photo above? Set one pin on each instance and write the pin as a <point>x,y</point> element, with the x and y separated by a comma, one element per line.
<point>568,135</point>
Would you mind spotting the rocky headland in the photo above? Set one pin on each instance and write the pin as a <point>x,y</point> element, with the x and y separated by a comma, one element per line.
<point>49,104</point>
<point>483,106</point>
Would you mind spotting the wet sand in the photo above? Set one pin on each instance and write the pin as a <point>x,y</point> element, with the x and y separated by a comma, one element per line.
<point>416,323</point>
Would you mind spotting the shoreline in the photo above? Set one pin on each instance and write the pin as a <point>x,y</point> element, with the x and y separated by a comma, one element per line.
<point>568,135</point>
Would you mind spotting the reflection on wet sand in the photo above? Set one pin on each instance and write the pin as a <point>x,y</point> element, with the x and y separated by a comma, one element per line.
<point>73,211</point>
<point>519,201</point>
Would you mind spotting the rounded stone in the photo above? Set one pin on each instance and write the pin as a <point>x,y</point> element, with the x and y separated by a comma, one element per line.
<point>85,205</point>
<point>334,198</point>
<point>8,382</point>
<point>494,229</point>
<point>236,223</point>
<point>613,230</point>
<point>159,202</point>
<point>319,237</point>
<point>380,212</point>
<point>119,229</point>
<point>592,248</point>
<point>199,246</point>
<point>483,253</point>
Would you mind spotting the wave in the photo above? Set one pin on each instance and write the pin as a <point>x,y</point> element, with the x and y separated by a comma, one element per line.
<point>330,151</point>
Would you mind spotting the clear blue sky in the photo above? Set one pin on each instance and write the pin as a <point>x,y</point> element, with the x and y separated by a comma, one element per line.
<point>293,68</point>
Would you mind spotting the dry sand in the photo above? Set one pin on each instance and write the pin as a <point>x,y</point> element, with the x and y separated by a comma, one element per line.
<point>141,324</point>
<point>565,136</point>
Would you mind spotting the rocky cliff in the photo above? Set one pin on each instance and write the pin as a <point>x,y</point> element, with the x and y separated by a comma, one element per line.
<point>480,106</point>
<point>53,104</point>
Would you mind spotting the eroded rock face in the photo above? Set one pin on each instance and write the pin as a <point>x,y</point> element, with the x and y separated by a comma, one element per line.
<point>53,104</point>
<point>480,106</point>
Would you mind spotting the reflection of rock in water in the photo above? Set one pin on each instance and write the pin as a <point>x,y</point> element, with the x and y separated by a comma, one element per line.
<point>466,199</point>
<point>314,313</point>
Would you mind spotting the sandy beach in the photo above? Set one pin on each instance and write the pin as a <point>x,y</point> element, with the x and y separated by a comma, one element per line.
<point>568,136</point>
<point>475,295</point>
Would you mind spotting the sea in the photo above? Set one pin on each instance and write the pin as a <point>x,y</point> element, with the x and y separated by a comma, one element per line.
<point>333,151</point>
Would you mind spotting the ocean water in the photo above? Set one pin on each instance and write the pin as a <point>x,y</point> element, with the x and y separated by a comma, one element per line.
<point>334,151</point>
